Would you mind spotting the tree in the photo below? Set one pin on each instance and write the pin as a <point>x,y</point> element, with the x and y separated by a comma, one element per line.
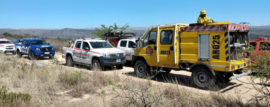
<point>101,31</point>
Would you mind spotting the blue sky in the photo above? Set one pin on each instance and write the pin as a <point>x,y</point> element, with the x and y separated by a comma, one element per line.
<point>58,14</point>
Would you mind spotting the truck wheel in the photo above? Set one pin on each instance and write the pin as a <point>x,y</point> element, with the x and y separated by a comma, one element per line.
<point>119,66</point>
<point>96,65</point>
<point>141,69</point>
<point>31,55</point>
<point>202,77</point>
<point>69,61</point>
<point>19,54</point>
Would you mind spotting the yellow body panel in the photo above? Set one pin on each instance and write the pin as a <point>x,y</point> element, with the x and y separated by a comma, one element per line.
<point>189,50</point>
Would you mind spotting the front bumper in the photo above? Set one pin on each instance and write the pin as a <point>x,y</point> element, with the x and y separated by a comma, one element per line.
<point>112,61</point>
<point>39,53</point>
<point>8,50</point>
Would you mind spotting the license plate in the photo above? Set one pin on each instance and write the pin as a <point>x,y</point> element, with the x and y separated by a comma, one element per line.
<point>118,60</point>
<point>46,52</point>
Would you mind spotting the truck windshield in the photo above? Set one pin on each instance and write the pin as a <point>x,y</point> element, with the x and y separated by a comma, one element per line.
<point>38,42</point>
<point>101,45</point>
<point>5,42</point>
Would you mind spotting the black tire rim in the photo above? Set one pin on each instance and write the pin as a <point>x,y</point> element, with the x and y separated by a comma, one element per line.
<point>140,68</point>
<point>96,65</point>
<point>202,77</point>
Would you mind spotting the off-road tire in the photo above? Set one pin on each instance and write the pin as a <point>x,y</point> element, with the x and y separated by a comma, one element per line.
<point>31,55</point>
<point>19,54</point>
<point>202,78</point>
<point>69,61</point>
<point>141,69</point>
<point>96,66</point>
<point>119,66</point>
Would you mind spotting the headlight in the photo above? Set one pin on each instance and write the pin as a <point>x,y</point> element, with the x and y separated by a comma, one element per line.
<point>1,46</point>
<point>106,55</point>
<point>37,49</point>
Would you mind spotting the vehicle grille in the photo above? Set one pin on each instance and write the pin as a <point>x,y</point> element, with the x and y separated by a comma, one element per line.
<point>116,55</point>
<point>46,49</point>
<point>9,47</point>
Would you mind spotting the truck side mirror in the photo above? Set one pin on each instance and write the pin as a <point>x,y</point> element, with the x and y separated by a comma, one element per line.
<point>48,43</point>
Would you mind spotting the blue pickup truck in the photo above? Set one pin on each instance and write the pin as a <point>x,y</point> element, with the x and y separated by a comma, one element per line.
<point>34,47</point>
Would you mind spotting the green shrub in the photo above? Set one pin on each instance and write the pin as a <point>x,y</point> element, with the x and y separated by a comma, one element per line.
<point>70,78</point>
<point>11,99</point>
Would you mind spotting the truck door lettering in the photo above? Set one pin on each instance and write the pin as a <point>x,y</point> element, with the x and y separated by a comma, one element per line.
<point>216,47</point>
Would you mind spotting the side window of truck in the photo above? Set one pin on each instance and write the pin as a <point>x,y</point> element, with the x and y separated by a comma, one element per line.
<point>123,43</point>
<point>264,46</point>
<point>85,44</point>
<point>166,37</point>
<point>131,44</point>
<point>151,37</point>
<point>78,44</point>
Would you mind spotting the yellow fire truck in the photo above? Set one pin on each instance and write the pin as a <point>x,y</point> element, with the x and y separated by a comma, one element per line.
<point>212,51</point>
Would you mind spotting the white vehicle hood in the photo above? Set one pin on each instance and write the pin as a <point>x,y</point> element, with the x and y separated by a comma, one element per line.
<point>7,45</point>
<point>108,50</point>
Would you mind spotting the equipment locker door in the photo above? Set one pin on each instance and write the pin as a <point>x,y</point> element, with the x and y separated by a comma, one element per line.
<point>166,48</point>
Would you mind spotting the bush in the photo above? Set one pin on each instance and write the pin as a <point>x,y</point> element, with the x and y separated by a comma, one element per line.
<point>12,99</point>
<point>70,79</point>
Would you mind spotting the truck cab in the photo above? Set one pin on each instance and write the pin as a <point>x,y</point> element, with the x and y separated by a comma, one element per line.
<point>128,46</point>
<point>211,52</point>
<point>94,53</point>
<point>34,47</point>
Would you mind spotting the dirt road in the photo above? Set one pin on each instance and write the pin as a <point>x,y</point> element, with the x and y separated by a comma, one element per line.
<point>241,86</point>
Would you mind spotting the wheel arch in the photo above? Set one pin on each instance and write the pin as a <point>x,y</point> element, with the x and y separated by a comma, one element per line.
<point>136,58</point>
<point>193,66</point>
<point>69,54</point>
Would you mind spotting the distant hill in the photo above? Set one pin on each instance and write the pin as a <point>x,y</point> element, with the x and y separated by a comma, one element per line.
<point>61,33</point>
<point>78,33</point>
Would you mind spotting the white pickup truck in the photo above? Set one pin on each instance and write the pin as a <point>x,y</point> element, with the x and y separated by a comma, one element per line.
<point>94,53</point>
<point>128,46</point>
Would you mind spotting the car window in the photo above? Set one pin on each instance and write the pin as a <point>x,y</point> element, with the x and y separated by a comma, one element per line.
<point>166,37</point>
<point>253,45</point>
<point>264,46</point>
<point>123,43</point>
<point>5,42</point>
<point>78,44</point>
<point>25,42</point>
<point>101,44</point>
<point>85,44</point>
<point>38,42</point>
<point>131,44</point>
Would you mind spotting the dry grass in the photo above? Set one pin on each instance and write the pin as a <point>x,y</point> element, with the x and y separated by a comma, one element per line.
<point>56,85</point>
